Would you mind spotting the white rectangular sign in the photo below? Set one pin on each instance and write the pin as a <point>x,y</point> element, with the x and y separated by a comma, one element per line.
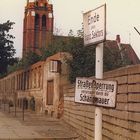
<point>96,92</point>
<point>95,26</point>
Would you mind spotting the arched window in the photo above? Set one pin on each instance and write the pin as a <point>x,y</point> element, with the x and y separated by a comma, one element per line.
<point>36,3</point>
<point>43,21</point>
<point>36,20</point>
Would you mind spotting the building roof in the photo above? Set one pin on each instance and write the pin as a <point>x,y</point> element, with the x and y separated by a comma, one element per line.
<point>125,48</point>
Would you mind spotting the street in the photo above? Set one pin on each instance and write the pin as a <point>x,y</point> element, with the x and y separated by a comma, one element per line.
<point>34,127</point>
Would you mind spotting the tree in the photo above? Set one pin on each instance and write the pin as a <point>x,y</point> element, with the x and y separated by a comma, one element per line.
<point>16,66</point>
<point>29,59</point>
<point>7,50</point>
<point>70,32</point>
<point>83,62</point>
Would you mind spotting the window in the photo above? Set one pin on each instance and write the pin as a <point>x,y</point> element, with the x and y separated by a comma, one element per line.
<point>36,20</point>
<point>55,66</point>
<point>43,21</point>
<point>36,3</point>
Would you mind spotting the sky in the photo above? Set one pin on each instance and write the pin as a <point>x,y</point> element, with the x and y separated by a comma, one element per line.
<point>122,17</point>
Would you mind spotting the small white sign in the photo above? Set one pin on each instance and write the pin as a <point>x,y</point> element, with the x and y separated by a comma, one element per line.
<point>50,15</point>
<point>33,13</point>
<point>96,92</point>
<point>95,25</point>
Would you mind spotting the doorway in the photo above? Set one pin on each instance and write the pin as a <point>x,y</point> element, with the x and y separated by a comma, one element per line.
<point>50,92</point>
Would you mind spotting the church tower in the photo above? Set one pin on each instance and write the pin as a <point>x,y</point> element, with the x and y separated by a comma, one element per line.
<point>38,25</point>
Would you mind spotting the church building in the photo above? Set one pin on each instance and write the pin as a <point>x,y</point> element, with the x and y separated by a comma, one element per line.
<point>38,25</point>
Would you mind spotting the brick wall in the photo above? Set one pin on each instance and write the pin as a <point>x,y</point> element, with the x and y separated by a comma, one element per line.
<point>121,123</point>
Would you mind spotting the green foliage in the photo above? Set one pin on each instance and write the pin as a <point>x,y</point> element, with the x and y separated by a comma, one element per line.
<point>30,59</point>
<point>80,33</point>
<point>70,33</point>
<point>15,66</point>
<point>25,62</point>
<point>59,45</point>
<point>83,62</point>
<point>7,50</point>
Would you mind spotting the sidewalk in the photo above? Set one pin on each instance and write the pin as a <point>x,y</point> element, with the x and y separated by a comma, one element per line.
<point>34,127</point>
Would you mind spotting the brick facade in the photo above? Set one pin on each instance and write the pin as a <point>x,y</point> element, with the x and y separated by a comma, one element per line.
<point>31,84</point>
<point>38,26</point>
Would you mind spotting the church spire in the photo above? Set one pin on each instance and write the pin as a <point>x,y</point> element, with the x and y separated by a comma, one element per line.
<point>38,26</point>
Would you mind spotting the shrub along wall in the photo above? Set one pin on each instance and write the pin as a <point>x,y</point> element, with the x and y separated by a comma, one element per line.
<point>121,123</point>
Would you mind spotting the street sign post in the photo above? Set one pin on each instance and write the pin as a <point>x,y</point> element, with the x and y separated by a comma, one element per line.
<point>95,32</point>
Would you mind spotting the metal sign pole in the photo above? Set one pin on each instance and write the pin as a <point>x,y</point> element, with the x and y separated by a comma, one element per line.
<point>99,75</point>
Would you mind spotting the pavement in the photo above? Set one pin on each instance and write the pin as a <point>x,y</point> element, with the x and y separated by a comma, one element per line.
<point>33,127</point>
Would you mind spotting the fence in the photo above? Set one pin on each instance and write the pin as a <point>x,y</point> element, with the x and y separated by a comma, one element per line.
<point>121,123</point>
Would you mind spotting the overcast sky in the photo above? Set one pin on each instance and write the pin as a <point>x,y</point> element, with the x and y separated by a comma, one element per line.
<point>122,17</point>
